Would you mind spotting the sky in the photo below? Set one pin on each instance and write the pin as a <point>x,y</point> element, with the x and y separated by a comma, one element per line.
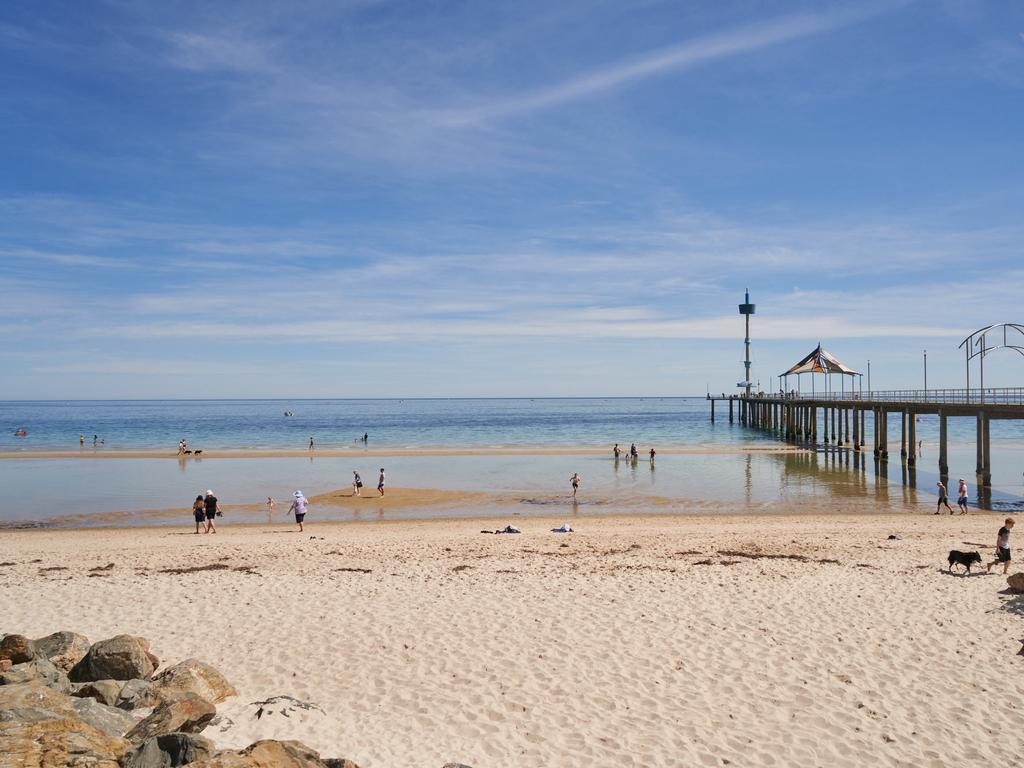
<point>360,198</point>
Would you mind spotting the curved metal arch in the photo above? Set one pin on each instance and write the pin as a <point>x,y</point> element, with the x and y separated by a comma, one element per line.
<point>980,339</point>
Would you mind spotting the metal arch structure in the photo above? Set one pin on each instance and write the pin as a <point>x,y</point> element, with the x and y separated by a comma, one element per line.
<point>976,345</point>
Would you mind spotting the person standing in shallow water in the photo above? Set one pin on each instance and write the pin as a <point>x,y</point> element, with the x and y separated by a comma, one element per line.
<point>380,482</point>
<point>616,451</point>
<point>199,511</point>
<point>574,481</point>
<point>357,483</point>
<point>311,443</point>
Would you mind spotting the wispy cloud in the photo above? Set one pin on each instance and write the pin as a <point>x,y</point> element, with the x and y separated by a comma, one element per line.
<point>691,53</point>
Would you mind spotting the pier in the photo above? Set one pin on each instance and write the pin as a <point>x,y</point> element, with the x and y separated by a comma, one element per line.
<point>840,418</point>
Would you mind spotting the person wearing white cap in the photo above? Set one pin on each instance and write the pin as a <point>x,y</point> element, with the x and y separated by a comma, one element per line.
<point>212,510</point>
<point>299,505</point>
<point>961,496</point>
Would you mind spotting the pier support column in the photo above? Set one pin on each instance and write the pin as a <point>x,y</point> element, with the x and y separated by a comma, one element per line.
<point>730,410</point>
<point>863,427</point>
<point>903,434</point>
<point>845,439</point>
<point>979,441</point>
<point>712,411</point>
<point>986,465</point>
<point>814,423</point>
<point>856,429</point>
<point>824,424</point>
<point>884,448</point>
<point>943,455</point>
<point>911,438</point>
<point>835,415</point>
<point>878,436</point>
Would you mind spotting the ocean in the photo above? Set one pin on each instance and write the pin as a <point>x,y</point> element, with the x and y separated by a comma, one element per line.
<point>85,491</point>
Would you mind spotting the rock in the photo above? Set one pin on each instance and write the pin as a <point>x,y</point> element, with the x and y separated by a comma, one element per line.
<point>335,762</point>
<point>169,751</point>
<point>40,728</point>
<point>64,649</point>
<point>266,754</point>
<point>104,691</point>
<point>120,658</point>
<point>18,648</point>
<point>136,694</point>
<point>189,714</point>
<point>1016,582</point>
<point>41,671</point>
<point>5,664</point>
<point>192,676</point>
<point>110,720</point>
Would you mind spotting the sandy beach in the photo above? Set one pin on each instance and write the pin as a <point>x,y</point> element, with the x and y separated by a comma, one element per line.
<point>794,640</point>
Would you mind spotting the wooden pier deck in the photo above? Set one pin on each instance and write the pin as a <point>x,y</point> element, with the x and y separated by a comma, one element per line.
<point>841,418</point>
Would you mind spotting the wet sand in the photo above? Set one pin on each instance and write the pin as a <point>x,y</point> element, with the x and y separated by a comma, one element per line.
<point>800,640</point>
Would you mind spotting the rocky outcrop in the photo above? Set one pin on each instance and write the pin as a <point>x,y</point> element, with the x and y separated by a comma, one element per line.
<point>169,751</point>
<point>1016,582</point>
<point>120,658</point>
<point>18,648</point>
<point>40,671</point>
<point>63,649</point>
<point>39,727</point>
<point>104,691</point>
<point>189,714</point>
<point>110,720</point>
<point>136,694</point>
<point>272,754</point>
<point>192,676</point>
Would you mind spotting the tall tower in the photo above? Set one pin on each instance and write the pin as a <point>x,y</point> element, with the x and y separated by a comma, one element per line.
<point>746,309</point>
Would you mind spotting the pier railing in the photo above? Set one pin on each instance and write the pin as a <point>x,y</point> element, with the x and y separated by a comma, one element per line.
<point>987,396</point>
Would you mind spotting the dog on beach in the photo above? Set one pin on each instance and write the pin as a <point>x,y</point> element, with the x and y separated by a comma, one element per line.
<point>966,559</point>
<point>199,452</point>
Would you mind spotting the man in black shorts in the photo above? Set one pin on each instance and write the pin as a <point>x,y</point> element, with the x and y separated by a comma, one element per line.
<point>1002,546</point>
<point>943,498</point>
<point>212,508</point>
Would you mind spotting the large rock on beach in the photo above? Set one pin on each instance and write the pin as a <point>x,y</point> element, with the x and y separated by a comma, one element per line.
<point>40,671</point>
<point>64,649</point>
<point>110,720</point>
<point>268,754</point>
<point>104,691</point>
<point>137,694</point>
<point>169,751</point>
<point>17,648</point>
<point>40,728</point>
<point>120,658</point>
<point>189,714</point>
<point>192,676</point>
<point>1016,582</point>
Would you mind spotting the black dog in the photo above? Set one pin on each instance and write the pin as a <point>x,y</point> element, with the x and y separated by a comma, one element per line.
<point>199,452</point>
<point>963,558</point>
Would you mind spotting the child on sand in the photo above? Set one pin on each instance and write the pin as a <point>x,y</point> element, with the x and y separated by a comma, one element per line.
<point>299,506</point>
<point>1002,546</point>
<point>199,511</point>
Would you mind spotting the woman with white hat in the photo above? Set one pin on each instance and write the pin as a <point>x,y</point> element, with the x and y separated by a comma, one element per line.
<point>299,505</point>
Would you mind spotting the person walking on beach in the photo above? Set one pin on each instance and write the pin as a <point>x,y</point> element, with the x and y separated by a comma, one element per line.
<point>961,496</point>
<point>575,482</point>
<point>366,437</point>
<point>616,451</point>
<point>199,511</point>
<point>299,505</point>
<point>357,483</point>
<point>311,443</point>
<point>1002,546</point>
<point>380,482</point>
<point>212,509</point>
<point>632,452</point>
<point>943,498</point>
<point>81,439</point>
<point>653,454</point>
<point>94,439</point>
<point>270,507</point>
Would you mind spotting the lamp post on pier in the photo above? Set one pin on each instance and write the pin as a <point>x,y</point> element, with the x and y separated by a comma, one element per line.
<point>926,374</point>
<point>869,378</point>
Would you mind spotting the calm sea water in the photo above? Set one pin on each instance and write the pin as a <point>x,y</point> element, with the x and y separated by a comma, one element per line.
<point>58,490</point>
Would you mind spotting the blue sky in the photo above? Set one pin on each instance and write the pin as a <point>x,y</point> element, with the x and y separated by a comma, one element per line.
<point>528,198</point>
